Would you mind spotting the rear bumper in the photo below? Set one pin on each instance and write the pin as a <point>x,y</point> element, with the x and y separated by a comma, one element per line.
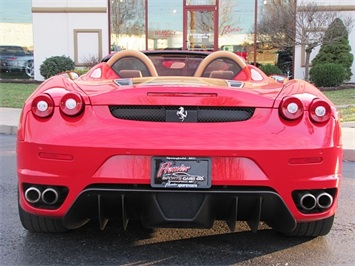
<point>107,186</point>
<point>7,65</point>
<point>106,170</point>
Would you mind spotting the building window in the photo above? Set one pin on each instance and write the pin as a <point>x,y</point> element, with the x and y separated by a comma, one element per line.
<point>207,25</point>
<point>165,24</point>
<point>127,24</point>
<point>201,2</point>
<point>85,54</point>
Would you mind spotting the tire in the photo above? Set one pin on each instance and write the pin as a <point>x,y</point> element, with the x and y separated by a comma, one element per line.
<point>29,68</point>
<point>312,229</point>
<point>38,224</point>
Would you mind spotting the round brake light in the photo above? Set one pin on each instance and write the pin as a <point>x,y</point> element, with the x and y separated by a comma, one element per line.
<point>291,108</point>
<point>71,104</point>
<point>319,111</point>
<point>42,106</point>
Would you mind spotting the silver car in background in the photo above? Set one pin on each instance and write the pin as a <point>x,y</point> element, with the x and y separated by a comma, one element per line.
<point>15,58</point>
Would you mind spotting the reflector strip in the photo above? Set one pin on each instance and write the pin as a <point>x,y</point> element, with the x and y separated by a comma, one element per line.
<point>181,94</point>
<point>310,160</point>
<point>55,156</point>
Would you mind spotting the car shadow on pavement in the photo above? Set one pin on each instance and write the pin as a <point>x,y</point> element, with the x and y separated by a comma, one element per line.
<point>140,246</point>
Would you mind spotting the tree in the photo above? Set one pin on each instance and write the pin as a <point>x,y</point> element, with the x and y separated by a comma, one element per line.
<point>288,24</point>
<point>336,48</point>
<point>276,24</point>
<point>126,20</point>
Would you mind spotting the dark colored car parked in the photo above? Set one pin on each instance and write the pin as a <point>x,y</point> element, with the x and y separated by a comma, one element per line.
<point>15,58</point>
<point>284,62</point>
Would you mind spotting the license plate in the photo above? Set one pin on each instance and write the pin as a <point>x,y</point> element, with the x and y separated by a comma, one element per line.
<point>181,172</point>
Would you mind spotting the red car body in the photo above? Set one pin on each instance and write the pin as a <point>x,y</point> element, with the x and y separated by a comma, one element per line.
<point>180,142</point>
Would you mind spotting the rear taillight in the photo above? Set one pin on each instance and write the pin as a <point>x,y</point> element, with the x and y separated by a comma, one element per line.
<point>42,106</point>
<point>291,108</point>
<point>319,111</point>
<point>71,104</point>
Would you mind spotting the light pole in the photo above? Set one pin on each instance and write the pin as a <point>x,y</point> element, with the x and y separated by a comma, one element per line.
<point>255,28</point>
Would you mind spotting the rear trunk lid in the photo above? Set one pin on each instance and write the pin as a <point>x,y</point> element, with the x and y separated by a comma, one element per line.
<point>176,91</point>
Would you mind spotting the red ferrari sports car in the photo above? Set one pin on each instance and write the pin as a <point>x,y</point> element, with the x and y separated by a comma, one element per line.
<point>178,139</point>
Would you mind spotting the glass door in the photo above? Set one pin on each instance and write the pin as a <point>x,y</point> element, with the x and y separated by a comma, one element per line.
<point>200,30</point>
<point>200,27</point>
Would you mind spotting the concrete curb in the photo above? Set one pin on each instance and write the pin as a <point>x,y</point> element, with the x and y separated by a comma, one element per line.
<point>348,155</point>
<point>8,130</point>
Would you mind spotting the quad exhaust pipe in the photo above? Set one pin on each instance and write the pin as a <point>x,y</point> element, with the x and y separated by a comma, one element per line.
<point>33,195</point>
<point>49,196</point>
<point>324,200</point>
<point>309,201</point>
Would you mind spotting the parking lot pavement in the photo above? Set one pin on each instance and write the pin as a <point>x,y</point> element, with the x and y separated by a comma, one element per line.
<point>9,118</point>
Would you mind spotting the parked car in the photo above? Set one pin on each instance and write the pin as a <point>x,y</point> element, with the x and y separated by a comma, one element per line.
<point>15,58</point>
<point>178,139</point>
<point>285,62</point>
<point>240,50</point>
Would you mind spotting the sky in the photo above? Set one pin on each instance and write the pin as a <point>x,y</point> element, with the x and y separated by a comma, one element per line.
<point>16,11</point>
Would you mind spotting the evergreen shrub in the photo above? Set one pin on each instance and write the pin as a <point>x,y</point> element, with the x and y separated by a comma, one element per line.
<point>55,65</point>
<point>270,69</point>
<point>336,48</point>
<point>327,75</point>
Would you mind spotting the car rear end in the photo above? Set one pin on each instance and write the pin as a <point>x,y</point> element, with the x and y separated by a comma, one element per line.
<point>178,154</point>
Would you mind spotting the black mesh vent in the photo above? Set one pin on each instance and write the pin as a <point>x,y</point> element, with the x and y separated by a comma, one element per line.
<point>192,114</point>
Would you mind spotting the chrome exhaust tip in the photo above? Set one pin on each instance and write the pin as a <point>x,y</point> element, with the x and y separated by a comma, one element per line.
<point>324,200</point>
<point>33,195</point>
<point>50,196</point>
<point>307,201</point>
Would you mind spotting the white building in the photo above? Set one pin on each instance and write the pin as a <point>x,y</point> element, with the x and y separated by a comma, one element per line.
<point>77,28</point>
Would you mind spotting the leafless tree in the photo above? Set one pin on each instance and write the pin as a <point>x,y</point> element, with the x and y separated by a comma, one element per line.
<point>127,17</point>
<point>285,24</point>
<point>276,26</point>
<point>203,21</point>
<point>91,60</point>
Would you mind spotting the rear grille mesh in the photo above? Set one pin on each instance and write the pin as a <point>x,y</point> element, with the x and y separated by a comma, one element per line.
<point>192,114</point>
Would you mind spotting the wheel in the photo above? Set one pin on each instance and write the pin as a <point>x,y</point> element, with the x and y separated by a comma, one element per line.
<point>312,229</point>
<point>38,224</point>
<point>29,68</point>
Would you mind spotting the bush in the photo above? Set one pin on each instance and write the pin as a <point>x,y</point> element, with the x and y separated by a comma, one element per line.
<point>269,69</point>
<point>327,75</point>
<point>91,60</point>
<point>336,48</point>
<point>81,71</point>
<point>55,65</point>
